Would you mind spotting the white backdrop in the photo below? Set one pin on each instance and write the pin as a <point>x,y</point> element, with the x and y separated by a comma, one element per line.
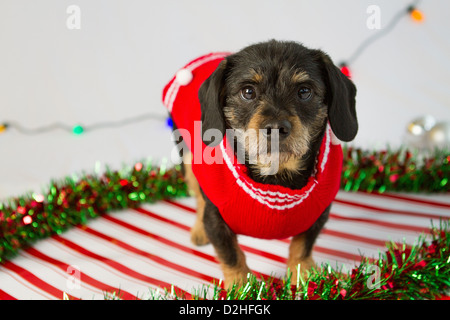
<point>117,63</point>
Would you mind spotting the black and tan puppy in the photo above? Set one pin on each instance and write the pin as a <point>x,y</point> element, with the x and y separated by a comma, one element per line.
<point>281,86</point>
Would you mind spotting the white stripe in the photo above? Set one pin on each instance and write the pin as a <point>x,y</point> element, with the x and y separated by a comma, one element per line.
<point>250,189</point>
<point>157,248</point>
<point>392,204</point>
<point>276,196</point>
<point>364,229</point>
<point>131,260</point>
<point>20,288</point>
<point>441,198</point>
<point>57,278</point>
<point>257,193</point>
<point>164,229</point>
<point>173,95</point>
<point>255,262</point>
<point>196,64</point>
<point>362,213</point>
<point>92,267</point>
<point>327,149</point>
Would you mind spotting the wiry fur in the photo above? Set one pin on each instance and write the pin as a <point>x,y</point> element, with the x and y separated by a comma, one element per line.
<point>276,71</point>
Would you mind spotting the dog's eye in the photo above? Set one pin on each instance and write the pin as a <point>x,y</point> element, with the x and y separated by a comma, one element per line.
<point>248,93</point>
<point>305,93</point>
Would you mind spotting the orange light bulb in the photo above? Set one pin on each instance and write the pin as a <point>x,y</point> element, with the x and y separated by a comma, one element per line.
<point>417,15</point>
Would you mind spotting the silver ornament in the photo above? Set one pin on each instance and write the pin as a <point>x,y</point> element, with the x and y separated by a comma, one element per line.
<point>438,137</point>
<point>416,131</point>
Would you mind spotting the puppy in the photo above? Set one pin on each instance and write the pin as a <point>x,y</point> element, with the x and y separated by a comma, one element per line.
<point>282,90</point>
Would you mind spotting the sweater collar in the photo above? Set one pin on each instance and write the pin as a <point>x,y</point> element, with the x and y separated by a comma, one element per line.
<point>276,196</point>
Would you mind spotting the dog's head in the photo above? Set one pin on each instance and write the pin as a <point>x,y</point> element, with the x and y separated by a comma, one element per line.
<point>281,87</point>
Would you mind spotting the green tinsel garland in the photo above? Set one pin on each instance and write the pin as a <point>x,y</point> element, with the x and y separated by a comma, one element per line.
<point>74,201</point>
<point>395,170</point>
<point>417,272</point>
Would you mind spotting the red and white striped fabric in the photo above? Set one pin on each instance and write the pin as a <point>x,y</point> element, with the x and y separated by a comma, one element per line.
<point>133,251</point>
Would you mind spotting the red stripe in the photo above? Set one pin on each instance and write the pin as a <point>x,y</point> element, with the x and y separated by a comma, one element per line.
<point>186,228</point>
<point>406,198</point>
<point>160,239</point>
<point>182,206</point>
<point>117,266</point>
<point>325,231</point>
<point>157,217</point>
<point>84,277</point>
<point>384,210</point>
<point>6,296</point>
<point>397,226</point>
<point>349,256</point>
<point>265,254</point>
<point>31,278</point>
<point>170,243</point>
<point>334,252</point>
<point>344,235</point>
<point>353,237</point>
<point>150,256</point>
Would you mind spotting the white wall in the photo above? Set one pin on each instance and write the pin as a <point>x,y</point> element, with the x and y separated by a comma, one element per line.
<point>116,65</point>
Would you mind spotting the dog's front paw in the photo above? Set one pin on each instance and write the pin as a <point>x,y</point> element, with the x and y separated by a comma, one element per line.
<point>235,276</point>
<point>300,268</point>
<point>198,235</point>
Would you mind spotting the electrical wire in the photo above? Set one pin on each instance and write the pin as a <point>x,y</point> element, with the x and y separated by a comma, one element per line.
<point>78,129</point>
<point>383,32</point>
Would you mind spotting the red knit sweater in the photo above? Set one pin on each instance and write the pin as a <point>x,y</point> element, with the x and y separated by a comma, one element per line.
<point>248,207</point>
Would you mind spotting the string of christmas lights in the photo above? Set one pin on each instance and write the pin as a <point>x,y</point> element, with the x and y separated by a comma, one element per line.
<point>78,129</point>
<point>412,11</point>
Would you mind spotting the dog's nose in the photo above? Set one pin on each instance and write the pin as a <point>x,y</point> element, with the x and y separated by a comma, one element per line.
<point>284,128</point>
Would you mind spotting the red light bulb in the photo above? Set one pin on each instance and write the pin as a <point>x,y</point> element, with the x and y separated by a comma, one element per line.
<point>416,14</point>
<point>346,70</point>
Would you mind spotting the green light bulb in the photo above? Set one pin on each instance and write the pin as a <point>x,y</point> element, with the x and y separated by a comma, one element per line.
<point>77,130</point>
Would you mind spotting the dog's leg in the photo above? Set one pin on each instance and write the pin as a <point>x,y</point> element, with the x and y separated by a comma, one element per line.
<point>300,259</point>
<point>299,262</point>
<point>198,235</point>
<point>224,240</point>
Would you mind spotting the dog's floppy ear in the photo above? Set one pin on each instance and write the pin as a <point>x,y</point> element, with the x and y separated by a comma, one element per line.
<point>211,96</point>
<point>340,99</point>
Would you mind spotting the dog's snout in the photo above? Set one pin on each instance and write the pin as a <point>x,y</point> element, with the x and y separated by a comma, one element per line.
<point>284,128</point>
